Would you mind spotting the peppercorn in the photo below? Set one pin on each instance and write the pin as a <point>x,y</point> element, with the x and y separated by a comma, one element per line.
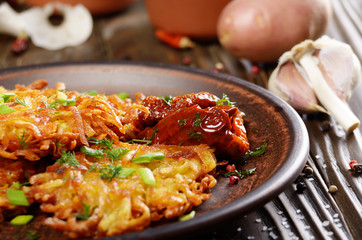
<point>301,187</point>
<point>19,45</point>
<point>230,167</point>
<point>308,170</point>
<point>326,126</point>
<point>233,179</point>
<point>352,163</point>
<point>255,69</point>
<point>333,189</point>
<point>357,169</point>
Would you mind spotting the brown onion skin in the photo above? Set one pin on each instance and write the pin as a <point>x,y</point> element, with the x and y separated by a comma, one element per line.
<point>262,30</point>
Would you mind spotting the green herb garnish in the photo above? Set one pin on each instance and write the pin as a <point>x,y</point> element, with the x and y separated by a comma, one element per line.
<point>91,152</point>
<point>17,197</point>
<point>167,99</point>
<point>195,135</point>
<point>147,142</point>
<point>123,95</point>
<point>147,158</point>
<point>87,211</point>
<point>106,143</point>
<point>31,235</point>
<point>5,97</point>
<point>90,93</point>
<point>117,153</point>
<point>181,122</point>
<point>68,158</point>
<point>147,176</point>
<point>240,174</point>
<point>17,101</point>
<point>64,102</point>
<point>21,219</point>
<point>257,152</point>
<point>197,120</point>
<point>225,99</point>
<point>5,109</point>
<point>115,171</point>
<point>22,140</point>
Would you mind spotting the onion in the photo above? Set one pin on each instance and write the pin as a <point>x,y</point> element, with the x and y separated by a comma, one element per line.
<point>262,30</point>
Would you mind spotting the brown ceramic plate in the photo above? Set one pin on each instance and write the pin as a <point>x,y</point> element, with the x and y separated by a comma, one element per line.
<point>268,118</point>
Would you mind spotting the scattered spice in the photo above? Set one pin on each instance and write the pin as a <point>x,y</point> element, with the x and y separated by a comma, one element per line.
<point>352,163</point>
<point>19,45</point>
<point>333,189</point>
<point>174,40</point>
<point>308,170</point>
<point>233,179</point>
<point>255,69</point>
<point>186,61</point>
<point>326,126</point>
<point>301,187</point>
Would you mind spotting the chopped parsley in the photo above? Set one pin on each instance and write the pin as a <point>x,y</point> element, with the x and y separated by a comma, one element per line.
<point>225,99</point>
<point>181,122</point>
<point>197,120</point>
<point>167,99</point>
<point>194,135</point>
<point>257,152</point>
<point>87,212</point>
<point>240,174</point>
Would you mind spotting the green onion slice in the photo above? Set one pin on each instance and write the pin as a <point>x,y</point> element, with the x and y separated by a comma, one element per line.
<point>188,216</point>
<point>5,97</point>
<point>21,219</point>
<point>123,95</point>
<point>5,109</point>
<point>91,152</point>
<point>147,158</point>
<point>147,176</point>
<point>17,197</point>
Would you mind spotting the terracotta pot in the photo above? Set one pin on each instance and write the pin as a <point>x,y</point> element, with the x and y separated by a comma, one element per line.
<point>96,7</point>
<point>194,18</point>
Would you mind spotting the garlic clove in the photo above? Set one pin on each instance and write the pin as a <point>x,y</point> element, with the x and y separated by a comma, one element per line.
<point>10,22</point>
<point>339,65</point>
<point>288,83</point>
<point>75,29</point>
<point>330,69</point>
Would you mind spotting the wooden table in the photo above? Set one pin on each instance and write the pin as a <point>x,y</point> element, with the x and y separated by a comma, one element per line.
<point>313,214</point>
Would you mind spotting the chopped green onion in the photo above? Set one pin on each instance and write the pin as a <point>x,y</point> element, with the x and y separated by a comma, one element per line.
<point>125,172</point>
<point>147,158</point>
<point>5,97</point>
<point>64,102</point>
<point>21,219</point>
<point>188,216</point>
<point>16,185</point>
<point>140,141</point>
<point>17,197</point>
<point>123,95</point>
<point>91,93</point>
<point>147,176</point>
<point>5,109</point>
<point>91,152</point>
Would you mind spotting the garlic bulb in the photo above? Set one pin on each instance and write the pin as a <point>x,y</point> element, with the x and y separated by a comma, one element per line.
<point>76,27</point>
<point>319,76</point>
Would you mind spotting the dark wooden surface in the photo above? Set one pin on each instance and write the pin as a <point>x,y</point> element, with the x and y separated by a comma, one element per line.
<point>313,214</point>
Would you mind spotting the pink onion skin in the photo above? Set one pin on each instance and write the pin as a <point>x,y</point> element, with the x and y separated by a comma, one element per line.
<point>262,30</point>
